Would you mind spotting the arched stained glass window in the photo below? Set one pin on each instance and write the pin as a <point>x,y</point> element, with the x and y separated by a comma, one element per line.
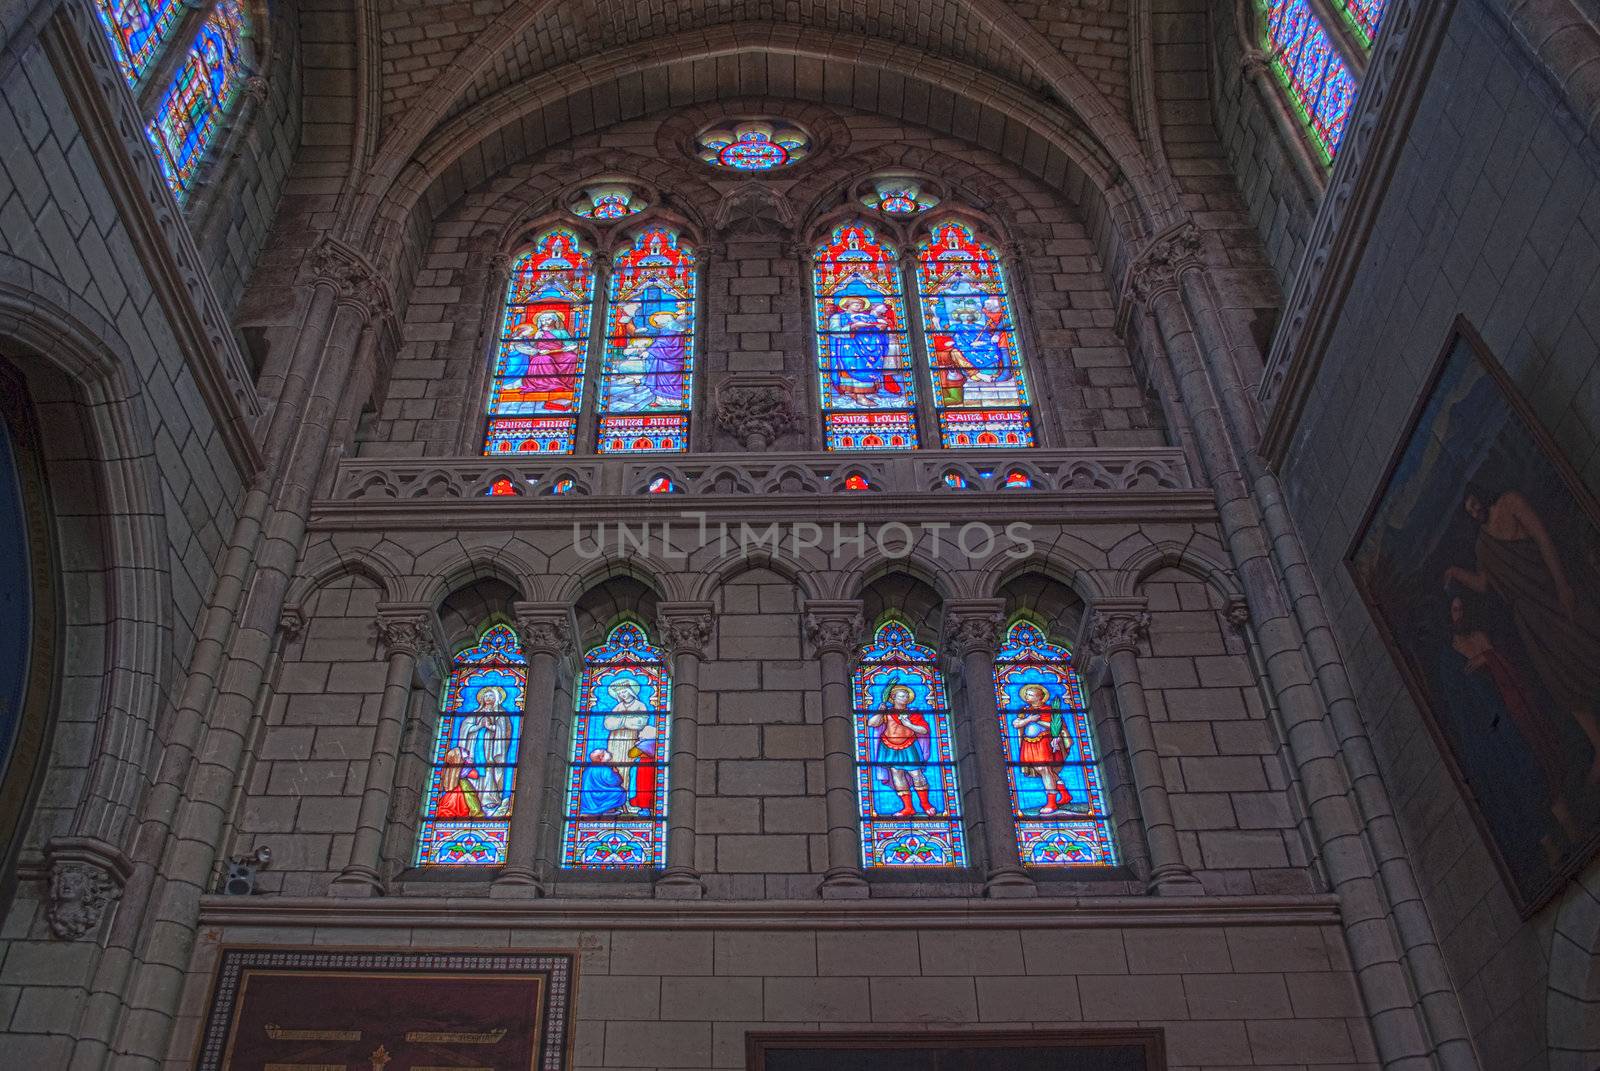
<point>616,813</point>
<point>537,386</point>
<point>869,394</point>
<point>1318,83</point>
<point>1056,792</point>
<point>980,391</point>
<point>137,29</point>
<point>905,757</point>
<point>647,377</point>
<point>466,817</point>
<point>190,112</point>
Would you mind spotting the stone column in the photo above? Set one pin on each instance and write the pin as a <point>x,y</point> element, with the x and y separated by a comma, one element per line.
<point>1393,945</point>
<point>546,633</point>
<point>407,633</point>
<point>833,629</point>
<point>1115,633</point>
<point>686,629</point>
<point>972,630</point>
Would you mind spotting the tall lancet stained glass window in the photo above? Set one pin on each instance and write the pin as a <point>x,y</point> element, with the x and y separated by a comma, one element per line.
<point>905,757</point>
<point>647,378</point>
<point>980,392</point>
<point>137,29</point>
<point>466,817</point>
<point>616,811</point>
<point>190,112</point>
<point>1056,792</point>
<point>1318,83</point>
<point>537,385</point>
<point>869,395</point>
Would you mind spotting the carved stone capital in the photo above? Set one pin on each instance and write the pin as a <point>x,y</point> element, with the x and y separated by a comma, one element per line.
<point>1164,260</point>
<point>406,630</point>
<point>291,623</point>
<point>354,280</point>
<point>86,875</point>
<point>755,413</point>
<point>1237,613</point>
<point>1118,630</point>
<point>971,629</point>
<point>1253,63</point>
<point>834,628</point>
<point>546,630</point>
<point>255,88</point>
<point>686,628</point>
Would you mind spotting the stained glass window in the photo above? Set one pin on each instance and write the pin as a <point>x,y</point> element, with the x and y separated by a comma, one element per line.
<point>537,386</point>
<point>973,353</point>
<point>647,378</point>
<point>466,816</point>
<point>137,29</point>
<point>190,111</point>
<point>1318,83</point>
<point>616,813</point>
<point>1057,796</point>
<point>757,145</point>
<point>1365,16</point>
<point>869,395</point>
<point>905,757</point>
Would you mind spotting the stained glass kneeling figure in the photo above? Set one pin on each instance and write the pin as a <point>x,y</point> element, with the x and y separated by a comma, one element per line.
<point>467,810</point>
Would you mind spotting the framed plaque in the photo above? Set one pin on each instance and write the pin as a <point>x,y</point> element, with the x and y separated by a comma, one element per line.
<point>352,1010</point>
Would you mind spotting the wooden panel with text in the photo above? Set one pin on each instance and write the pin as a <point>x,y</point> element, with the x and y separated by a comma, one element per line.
<point>315,1010</point>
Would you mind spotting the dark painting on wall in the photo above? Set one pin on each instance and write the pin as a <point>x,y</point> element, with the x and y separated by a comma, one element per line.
<point>1480,563</point>
<point>296,1010</point>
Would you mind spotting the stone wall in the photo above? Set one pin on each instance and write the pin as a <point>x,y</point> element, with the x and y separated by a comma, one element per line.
<point>1493,212</point>
<point>1264,992</point>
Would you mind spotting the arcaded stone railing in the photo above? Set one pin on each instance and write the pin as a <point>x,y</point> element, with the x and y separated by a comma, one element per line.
<point>1085,469</point>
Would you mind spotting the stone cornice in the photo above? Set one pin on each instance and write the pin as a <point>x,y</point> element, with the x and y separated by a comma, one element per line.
<point>1375,136</point>
<point>481,912</point>
<point>766,473</point>
<point>1054,509</point>
<point>114,132</point>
